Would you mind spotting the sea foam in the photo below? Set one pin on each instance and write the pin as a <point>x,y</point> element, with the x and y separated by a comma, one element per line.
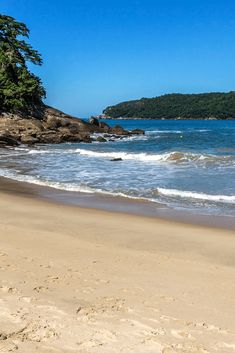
<point>196,195</point>
<point>174,156</point>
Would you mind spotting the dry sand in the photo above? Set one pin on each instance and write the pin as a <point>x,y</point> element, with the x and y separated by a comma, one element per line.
<point>80,280</point>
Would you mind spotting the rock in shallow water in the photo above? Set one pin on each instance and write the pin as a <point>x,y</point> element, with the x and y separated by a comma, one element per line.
<point>101,139</point>
<point>115,159</point>
<point>138,132</point>
<point>118,130</point>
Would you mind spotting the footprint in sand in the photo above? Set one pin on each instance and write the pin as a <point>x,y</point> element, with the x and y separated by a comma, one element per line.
<point>168,350</point>
<point>2,254</point>
<point>7,289</point>
<point>50,349</point>
<point>52,279</point>
<point>208,327</point>
<point>186,348</point>
<point>7,346</point>
<point>25,299</point>
<point>168,318</point>
<point>29,259</point>
<point>85,290</point>
<point>181,334</point>
<point>39,331</point>
<point>40,289</point>
<point>167,299</point>
<point>230,346</point>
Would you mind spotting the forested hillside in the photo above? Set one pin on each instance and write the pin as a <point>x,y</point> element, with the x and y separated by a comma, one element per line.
<point>177,106</point>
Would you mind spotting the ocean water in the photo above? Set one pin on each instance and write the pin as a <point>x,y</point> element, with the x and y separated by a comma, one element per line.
<point>186,165</point>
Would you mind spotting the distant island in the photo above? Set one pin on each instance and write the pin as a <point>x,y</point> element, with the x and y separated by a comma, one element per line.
<point>210,106</point>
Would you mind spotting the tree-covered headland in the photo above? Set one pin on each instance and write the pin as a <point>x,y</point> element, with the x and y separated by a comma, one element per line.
<point>177,106</point>
<point>24,118</point>
<point>20,90</point>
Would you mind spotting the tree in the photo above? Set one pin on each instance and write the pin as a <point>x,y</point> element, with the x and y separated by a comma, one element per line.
<point>20,90</point>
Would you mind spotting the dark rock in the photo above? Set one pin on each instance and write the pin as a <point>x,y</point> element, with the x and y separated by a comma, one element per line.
<point>52,123</point>
<point>108,135</point>
<point>93,121</point>
<point>52,137</point>
<point>115,159</point>
<point>65,122</point>
<point>118,130</point>
<point>74,128</point>
<point>85,138</point>
<point>29,140</point>
<point>112,137</point>
<point>6,140</point>
<point>104,126</point>
<point>138,132</point>
<point>101,139</point>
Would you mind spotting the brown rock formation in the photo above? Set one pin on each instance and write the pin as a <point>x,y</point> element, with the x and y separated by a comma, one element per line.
<point>51,126</point>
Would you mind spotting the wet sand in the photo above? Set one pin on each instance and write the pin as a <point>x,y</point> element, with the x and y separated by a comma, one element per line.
<point>82,280</point>
<point>111,203</point>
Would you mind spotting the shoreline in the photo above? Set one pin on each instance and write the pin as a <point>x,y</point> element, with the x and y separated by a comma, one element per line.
<point>119,204</point>
<point>80,280</point>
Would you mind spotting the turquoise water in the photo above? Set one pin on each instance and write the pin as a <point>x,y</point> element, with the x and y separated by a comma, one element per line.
<point>183,164</point>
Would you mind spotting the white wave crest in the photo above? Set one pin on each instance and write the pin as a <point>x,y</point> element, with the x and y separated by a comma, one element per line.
<point>68,187</point>
<point>230,199</point>
<point>52,184</point>
<point>196,196</point>
<point>123,155</point>
<point>43,151</point>
<point>174,156</point>
<point>150,132</point>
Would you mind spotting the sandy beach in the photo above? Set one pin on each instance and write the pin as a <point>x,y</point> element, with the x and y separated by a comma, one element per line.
<point>82,280</point>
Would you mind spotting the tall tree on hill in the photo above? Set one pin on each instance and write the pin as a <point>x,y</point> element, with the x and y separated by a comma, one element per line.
<point>20,89</point>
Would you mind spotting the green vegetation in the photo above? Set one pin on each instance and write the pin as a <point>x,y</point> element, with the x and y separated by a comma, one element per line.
<point>20,90</point>
<point>177,106</point>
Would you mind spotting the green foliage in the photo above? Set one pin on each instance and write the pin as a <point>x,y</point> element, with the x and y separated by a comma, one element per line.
<point>20,90</point>
<point>177,106</point>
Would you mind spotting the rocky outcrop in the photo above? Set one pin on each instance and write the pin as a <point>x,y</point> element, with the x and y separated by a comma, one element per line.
<point>52,126</point>
<point>6,140</point>
<point>101,139</point>
<point>138,132</point>
<point>118,130</point>
<point>93,121</point>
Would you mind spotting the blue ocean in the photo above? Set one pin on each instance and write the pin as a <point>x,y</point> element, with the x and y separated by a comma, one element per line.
<point>184,165</point>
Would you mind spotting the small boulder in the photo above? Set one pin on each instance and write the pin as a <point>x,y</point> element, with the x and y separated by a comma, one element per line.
<point>84,137</point>
<point>52,123</point>
<point>138,132</point>
<point>118,130</point>
<point>115,159</point>
<point>93,121</point>
<point>29,139</point>
<point>104,126</point>
<point>101,139</point>
<point>73,129</point>
<point>6,140</point>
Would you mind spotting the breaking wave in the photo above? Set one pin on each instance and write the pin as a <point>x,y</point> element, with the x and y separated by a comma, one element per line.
<point>155,195</point>
<point>196,196</point>
<point>177,157</point>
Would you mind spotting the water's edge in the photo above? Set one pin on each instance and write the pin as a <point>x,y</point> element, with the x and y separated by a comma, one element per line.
<point>116,204</point>
<point>187,167</point>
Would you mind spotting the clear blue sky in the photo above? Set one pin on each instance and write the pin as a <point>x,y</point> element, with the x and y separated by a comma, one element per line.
<point>100,52</point>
